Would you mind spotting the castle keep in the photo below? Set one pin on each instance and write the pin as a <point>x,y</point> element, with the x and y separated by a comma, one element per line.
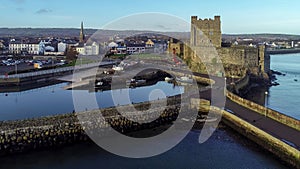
<point>210,28</point>
<point>206,43</point>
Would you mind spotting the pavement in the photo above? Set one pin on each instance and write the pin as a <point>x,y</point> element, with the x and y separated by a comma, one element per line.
<point>276,129</point>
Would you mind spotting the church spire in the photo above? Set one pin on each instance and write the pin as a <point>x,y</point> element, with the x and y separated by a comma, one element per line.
<point>81,37</point>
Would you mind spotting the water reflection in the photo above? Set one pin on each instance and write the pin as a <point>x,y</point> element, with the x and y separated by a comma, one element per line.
<point>51,100</point>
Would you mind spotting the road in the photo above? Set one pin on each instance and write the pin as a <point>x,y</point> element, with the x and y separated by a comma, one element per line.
<point>6,69</point>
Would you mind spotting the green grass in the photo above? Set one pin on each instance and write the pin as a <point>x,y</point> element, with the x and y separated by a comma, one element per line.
<point>83,61</point>
<point>146,56</point>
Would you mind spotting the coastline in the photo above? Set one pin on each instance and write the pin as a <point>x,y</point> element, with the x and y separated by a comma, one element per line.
<point>283,51</point>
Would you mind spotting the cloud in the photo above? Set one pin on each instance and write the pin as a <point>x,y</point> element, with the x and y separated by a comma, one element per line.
<point>163,27</point>
<point>43,11</point>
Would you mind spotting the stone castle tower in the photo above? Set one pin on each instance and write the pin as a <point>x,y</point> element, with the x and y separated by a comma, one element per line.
<point>81,36</point>
<point>206,45</point>
<point>211,28</point>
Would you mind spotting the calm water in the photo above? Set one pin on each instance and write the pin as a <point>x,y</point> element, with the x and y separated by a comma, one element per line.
<point>285,97</point>
<point>54,99</point>
<point>221,151</point>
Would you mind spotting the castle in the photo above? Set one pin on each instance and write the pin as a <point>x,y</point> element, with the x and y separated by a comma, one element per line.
<point>206,43</point>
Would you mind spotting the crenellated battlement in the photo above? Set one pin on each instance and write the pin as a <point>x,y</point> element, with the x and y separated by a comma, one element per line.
<point>211,28</point>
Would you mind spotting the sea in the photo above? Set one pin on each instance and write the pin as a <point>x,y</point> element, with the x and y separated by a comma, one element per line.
<point>285,96</point>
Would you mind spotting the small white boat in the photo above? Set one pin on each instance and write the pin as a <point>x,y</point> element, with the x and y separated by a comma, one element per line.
<point>185,79</point>
<point>134,82</point>
<point>168,79</point>
<point>140,82</point>
<point>129,82</point>
<point>99,83</point>
<point>207,119</point>
<point>117,68</point>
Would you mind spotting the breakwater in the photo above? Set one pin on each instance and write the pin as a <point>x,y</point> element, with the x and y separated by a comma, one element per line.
<point>35,78</point>
<point>277,116</point>
<point>45,75</point>
<point>54,131</point>
<point>282,150</point>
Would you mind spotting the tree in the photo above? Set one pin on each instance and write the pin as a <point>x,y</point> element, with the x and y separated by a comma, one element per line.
<point>72,54</point>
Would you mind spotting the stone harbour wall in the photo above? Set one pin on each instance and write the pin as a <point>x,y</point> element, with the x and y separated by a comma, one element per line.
<point>282,118</point>
<point>54,131</point>
<point>282,150</point>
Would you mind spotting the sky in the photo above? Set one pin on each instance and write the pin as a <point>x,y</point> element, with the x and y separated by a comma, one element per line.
<point>237,16</point>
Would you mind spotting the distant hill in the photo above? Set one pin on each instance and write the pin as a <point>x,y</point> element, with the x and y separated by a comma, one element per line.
<point>42,32</point>
<point>262,37</point>
<point>73,32</point>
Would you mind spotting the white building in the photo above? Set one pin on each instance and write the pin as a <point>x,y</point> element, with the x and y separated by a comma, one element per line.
<point>80,50</point>
<point>136,48</point>
<point>24,48</point>
<point>61,47</point>
<point>42,46</point>
<point>93,49</point>
<point>2,45</point>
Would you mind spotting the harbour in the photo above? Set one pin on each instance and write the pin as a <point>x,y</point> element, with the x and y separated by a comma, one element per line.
<point>165,89</point>
<point>217,140</point>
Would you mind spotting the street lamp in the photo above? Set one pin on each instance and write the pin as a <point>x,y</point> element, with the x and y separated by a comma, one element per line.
<point>225,87</point>
<point>266,102</point>
<point>16,68</point>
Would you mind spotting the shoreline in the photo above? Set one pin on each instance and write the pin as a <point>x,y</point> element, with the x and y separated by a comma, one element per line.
<point>283,51</point>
